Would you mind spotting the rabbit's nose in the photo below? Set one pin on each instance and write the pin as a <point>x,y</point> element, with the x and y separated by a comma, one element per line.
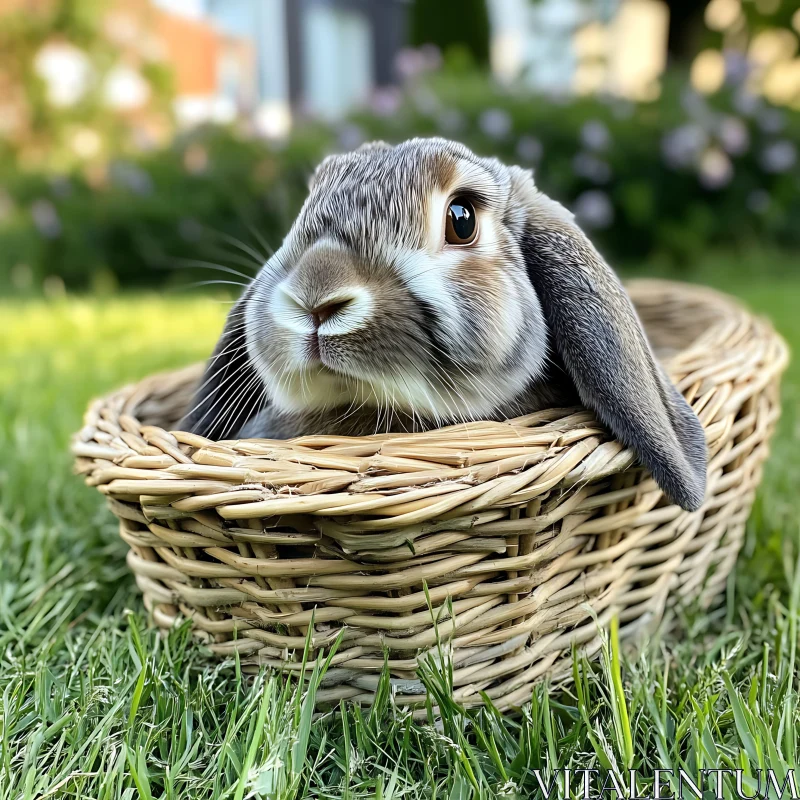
<point>321,312</point>
<point>336,313</point>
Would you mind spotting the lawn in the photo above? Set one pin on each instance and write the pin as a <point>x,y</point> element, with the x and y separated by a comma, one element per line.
<point>94,704</point>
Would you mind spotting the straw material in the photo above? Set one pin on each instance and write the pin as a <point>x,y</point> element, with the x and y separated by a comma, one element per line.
<point>497,544</point>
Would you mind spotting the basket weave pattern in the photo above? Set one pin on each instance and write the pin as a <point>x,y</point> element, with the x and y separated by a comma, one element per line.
<point>507,541</point>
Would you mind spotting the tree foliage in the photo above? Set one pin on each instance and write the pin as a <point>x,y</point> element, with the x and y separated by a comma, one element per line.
<point>447,24</point>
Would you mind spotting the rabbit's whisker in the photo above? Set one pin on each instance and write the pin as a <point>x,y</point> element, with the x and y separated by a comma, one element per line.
<point>194,263</point>
<point>226,416</point>
<point>211,378</point>
<point>216,393</point>
<point>235,258</point>
<point>198,284</point>
<point>239,402</point>
<point>259,258</point>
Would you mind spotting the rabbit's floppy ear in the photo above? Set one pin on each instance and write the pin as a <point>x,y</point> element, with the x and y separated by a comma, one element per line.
<point>230,391</point>
<point>596,332</point>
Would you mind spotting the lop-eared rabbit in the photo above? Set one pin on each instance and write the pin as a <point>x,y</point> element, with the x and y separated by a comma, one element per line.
<point>422,285</point>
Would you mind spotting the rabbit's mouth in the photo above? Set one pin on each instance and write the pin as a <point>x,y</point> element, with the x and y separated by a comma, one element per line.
<point>321,386</point>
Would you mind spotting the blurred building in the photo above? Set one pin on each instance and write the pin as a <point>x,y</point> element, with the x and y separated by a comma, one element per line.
<point>214,72</point>
<point>269,61</point>
<point>318,57</point>
<point>582,46</point>
<point>261,60</point>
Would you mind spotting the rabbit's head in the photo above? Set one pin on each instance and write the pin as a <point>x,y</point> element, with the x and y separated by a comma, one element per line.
<point>423,278</point>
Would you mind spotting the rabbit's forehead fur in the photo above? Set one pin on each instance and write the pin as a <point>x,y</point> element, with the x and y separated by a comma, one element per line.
<point>382,196</point>
<point>428,326</point>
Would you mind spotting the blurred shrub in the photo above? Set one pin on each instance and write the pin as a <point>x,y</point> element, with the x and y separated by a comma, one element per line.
<point>212,196</point>
<point>448,24</point>
<point>664,180</point>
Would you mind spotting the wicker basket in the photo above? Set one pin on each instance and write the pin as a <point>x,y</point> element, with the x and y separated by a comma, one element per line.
<point>507,542</point>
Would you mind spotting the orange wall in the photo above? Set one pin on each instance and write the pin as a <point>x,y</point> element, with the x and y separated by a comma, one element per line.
<point>192,48</point>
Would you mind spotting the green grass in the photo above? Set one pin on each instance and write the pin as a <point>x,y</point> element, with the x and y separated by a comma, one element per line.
<point>95,704</point>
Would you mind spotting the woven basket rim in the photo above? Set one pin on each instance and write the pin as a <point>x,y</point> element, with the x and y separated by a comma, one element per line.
<point>330,456</point>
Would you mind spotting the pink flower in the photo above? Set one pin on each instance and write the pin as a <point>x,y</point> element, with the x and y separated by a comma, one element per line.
<point>385,102</point>
<point>451,121</point>
<point>350,137</point>
<point>682,146</point>
<point>46,218</point>
<point>529,149</point>
<point>586,165</point>
<point>715,169</point>
<point>495,123</point>
<point>595,135</point>
<point>779,156</point>
<point>734,135</point>
<point>594,209</point>
<point>409,63</point>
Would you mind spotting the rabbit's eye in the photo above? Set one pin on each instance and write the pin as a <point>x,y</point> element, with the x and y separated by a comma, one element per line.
<point>462,225</point>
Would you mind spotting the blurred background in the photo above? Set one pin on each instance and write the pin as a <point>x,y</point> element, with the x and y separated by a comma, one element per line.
<point>154,152</point>
<point>144,141</point>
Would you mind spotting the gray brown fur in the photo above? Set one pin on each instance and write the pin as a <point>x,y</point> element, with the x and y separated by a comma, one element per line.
<point>530,317</point>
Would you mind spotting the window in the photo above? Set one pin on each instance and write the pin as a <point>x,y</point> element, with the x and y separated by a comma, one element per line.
<point>337,60</point>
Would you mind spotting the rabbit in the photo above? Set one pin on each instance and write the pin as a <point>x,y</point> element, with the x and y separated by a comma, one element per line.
<point>422,285</point>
